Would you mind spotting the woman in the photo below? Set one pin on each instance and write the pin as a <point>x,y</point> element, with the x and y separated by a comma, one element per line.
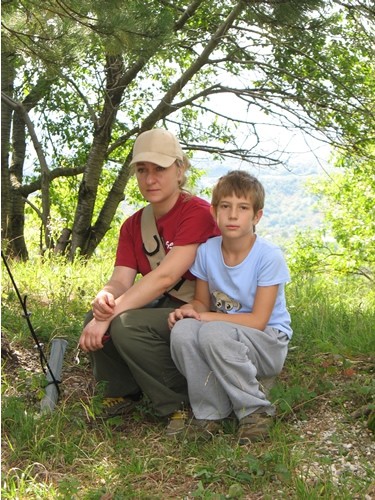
<point>127,332</point>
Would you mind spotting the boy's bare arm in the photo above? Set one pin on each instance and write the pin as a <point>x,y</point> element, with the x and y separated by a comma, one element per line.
<point>264,302</point>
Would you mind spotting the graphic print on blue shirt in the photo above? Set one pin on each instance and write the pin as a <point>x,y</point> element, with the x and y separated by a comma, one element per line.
<point>223,303</point>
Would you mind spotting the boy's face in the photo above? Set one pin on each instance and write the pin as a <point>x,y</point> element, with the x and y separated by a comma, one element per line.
<point>235,216</point>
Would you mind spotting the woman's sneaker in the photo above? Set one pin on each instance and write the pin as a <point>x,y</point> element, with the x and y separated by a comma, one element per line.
<point>113,407</point>
<point>178,422</point>
<point>254,427</point>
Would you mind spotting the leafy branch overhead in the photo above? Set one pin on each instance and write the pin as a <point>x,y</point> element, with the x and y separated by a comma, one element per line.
<point>87,79</point>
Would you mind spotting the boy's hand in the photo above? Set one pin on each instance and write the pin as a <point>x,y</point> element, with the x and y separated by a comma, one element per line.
<point>184,312</point>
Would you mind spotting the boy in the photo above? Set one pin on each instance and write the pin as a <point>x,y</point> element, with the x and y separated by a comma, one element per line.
<point>236,329</point>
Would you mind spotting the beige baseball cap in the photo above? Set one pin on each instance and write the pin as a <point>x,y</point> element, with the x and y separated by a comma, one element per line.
<point>157,146</point>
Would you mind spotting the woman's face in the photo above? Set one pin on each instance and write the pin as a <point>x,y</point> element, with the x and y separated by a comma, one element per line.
<point>158,184</point>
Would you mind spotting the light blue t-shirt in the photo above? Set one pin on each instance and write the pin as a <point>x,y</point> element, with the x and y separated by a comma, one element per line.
<point>233,289</point>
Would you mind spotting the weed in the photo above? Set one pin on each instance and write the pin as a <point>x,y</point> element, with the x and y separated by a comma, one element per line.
<point>74,453</point>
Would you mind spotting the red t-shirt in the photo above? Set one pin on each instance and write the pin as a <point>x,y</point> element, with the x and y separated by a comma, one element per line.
<point>189,221</point>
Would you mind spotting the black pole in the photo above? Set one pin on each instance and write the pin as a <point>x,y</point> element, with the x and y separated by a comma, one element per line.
<point>26,314</point>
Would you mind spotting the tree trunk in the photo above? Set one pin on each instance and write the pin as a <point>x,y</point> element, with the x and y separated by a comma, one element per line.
<point>7,79</point>
<point>82,228</point>
<point>63,241</point>
<point>21,122</point>
<point>107,213</point>
<point>17,220</point>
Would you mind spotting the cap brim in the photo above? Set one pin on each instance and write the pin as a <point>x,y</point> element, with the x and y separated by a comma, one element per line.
<point>157,158</point>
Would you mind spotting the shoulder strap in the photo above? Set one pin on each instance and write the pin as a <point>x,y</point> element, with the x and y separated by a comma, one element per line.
<point>154,250</point>
<point>152,244</point>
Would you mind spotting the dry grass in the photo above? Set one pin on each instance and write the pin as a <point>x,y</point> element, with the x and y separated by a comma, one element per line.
<point>316,450</point>
<point>321,446</point>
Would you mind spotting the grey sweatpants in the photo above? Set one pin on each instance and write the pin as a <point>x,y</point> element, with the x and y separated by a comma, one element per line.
<point>223,363</point>
<point>137,358</point>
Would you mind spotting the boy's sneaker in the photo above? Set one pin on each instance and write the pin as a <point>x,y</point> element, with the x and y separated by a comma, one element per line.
<point>266,385</point>
<point>113,407</point>
<point>177,422</point>
<point>254,427</point>
<point>200,429</point>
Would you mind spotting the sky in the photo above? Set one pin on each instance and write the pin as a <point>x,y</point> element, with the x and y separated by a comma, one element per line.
<point>292,147</point>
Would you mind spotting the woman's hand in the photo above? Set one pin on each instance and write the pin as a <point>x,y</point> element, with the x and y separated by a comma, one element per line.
<point>103,305</point>
<point>184,312</point>
<point>92,335</point>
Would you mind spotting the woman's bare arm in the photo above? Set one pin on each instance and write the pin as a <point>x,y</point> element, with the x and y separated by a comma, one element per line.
<point>176,263</point>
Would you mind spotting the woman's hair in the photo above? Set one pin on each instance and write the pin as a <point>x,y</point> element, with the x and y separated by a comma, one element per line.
<point>184,165</point>
<point>241,184</point>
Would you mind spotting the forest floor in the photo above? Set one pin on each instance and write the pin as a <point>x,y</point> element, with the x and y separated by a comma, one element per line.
<point>336,434</point>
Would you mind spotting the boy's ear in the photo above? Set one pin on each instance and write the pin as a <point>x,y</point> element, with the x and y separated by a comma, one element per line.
<point>213,211</point>
<point>258,216</point>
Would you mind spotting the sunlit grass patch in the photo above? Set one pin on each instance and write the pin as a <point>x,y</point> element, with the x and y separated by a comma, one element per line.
<point>74,453</point>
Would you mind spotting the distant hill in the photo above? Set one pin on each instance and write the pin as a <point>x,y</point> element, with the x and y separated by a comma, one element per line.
<point>289,206</point>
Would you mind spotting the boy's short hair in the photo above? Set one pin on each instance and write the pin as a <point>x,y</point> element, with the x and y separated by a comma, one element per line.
<point>241,184</point>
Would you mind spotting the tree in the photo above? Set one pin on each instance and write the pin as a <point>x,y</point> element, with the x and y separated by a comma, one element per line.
<point>346,243</point>
<point>109,74</point>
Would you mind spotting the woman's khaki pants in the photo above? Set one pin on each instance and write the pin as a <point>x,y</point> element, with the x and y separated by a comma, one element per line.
<point>137,358</point>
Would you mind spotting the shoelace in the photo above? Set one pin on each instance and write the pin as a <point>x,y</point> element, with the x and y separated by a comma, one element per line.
<point>108,402</point>
<point>180,415</point>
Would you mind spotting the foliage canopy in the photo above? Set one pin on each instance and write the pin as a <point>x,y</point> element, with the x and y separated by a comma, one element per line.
<point>80,81</point>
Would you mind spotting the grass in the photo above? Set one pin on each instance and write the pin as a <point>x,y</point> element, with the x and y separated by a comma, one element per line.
<point>73,454</point>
